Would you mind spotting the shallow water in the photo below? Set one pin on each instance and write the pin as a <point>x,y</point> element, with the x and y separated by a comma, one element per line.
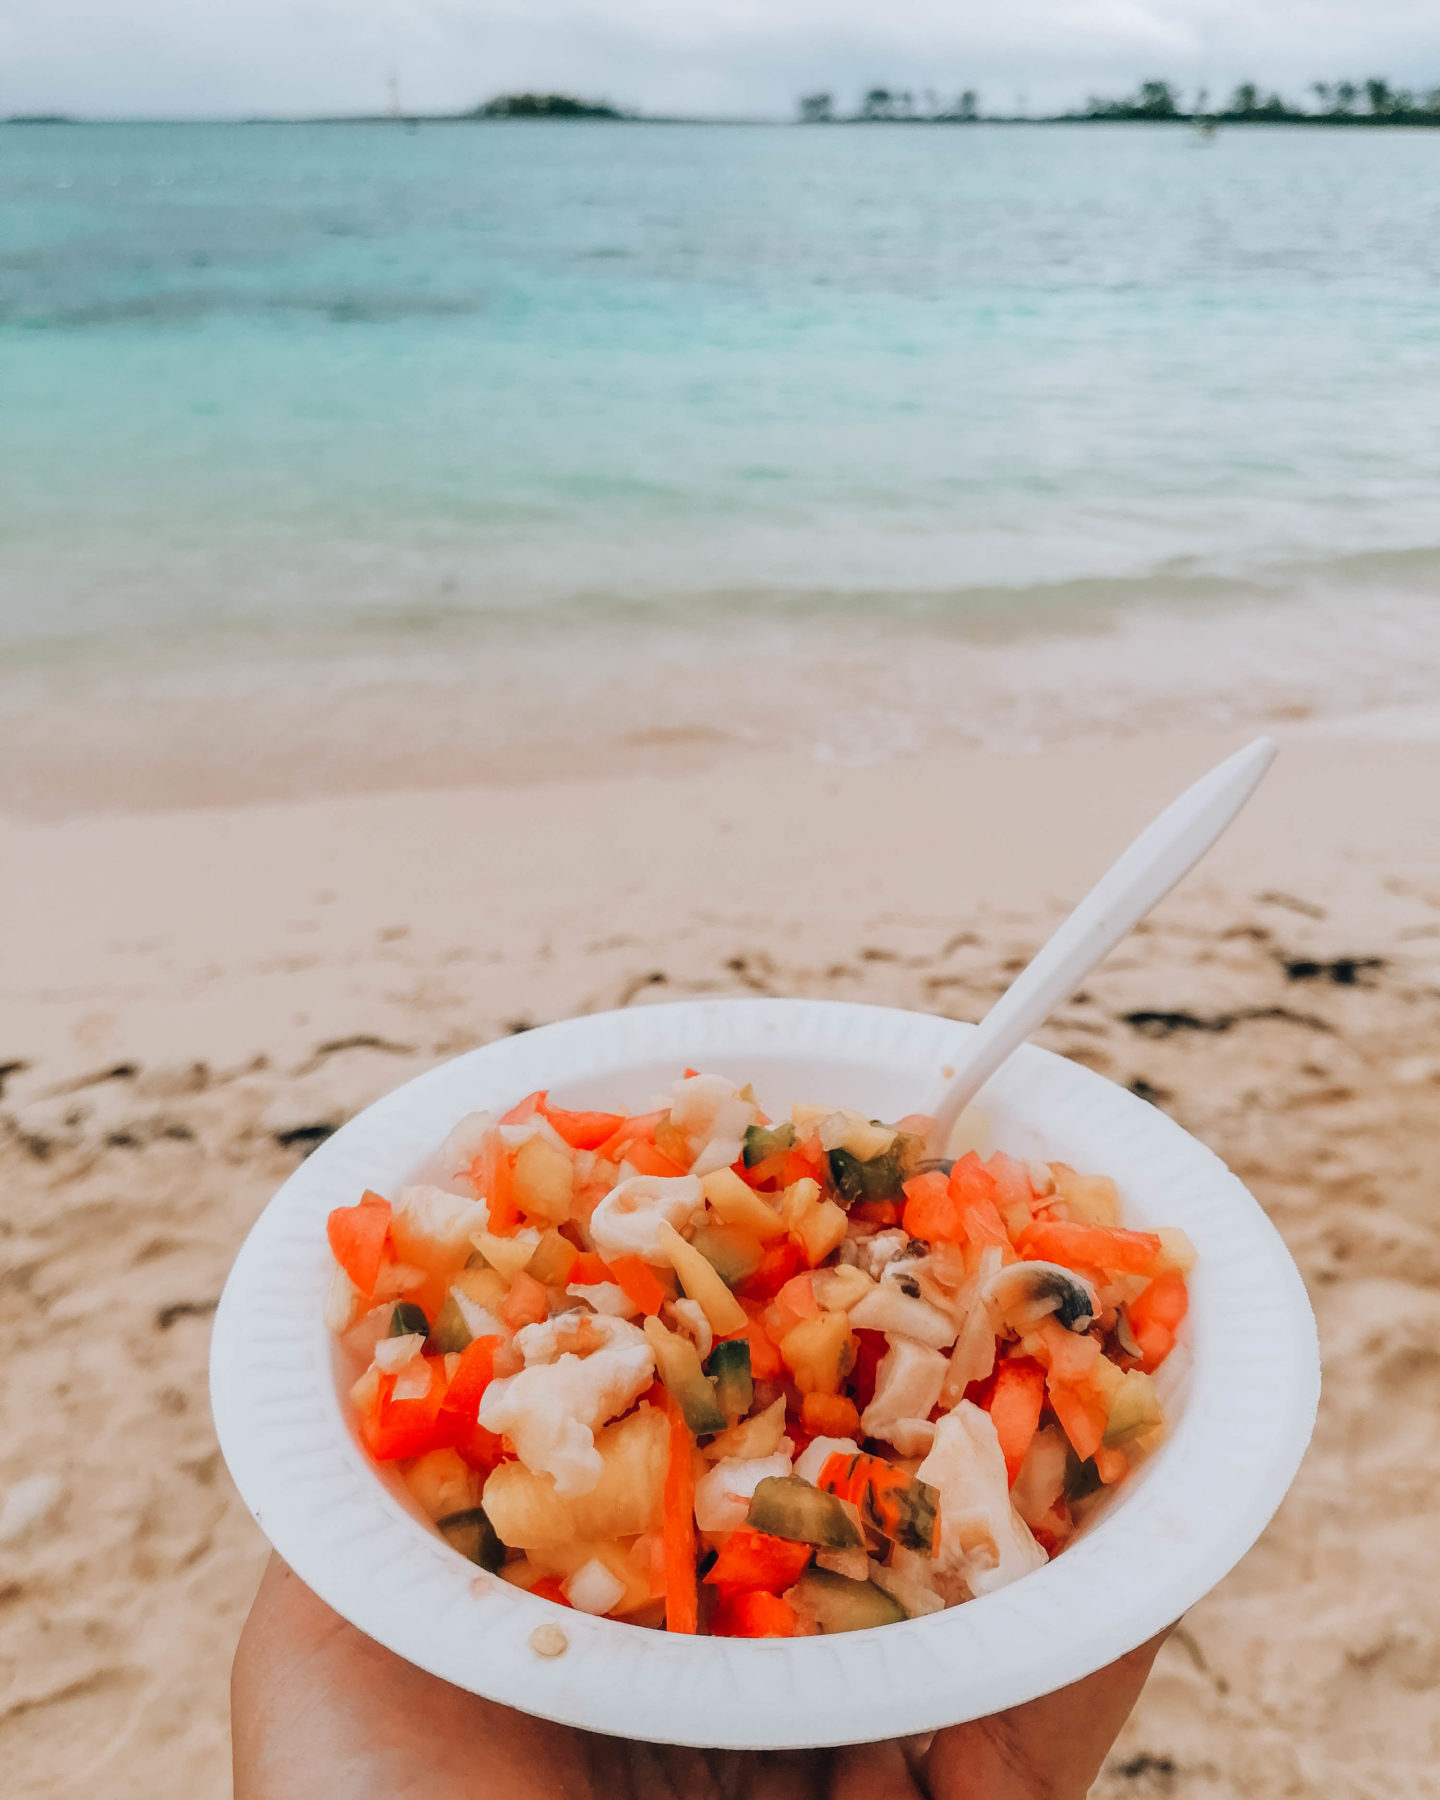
<point>320,387</point>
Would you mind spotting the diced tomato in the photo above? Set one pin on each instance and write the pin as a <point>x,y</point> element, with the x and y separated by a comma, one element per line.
<point>752,1560</point>
<point>830,1415</point>
<point>1156,1314</point>
<point>782,1259</point>
<point>548,1588</point>
<point>357,1239</point>
<point>1077,1246</point>
<point>757,1615</point>
<point>525,1304</point>
<point>492,1174</point>
<point>870,1348</point>
<point>930,1211</point>
<point>639,1283</point>
<point>978,1393</point>
<point>1015,1403</point>
<point>682,1595</point>
<point>972,1188</point>
<point>392,1428</point>
<point>525,1109</point>
<point>583,1130</point>
<point>646,1159</point>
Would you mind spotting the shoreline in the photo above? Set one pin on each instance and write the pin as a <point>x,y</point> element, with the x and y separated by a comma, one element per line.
<point>247,718</point>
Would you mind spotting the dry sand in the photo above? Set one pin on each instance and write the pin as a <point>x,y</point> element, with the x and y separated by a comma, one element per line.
<point>192,999</point>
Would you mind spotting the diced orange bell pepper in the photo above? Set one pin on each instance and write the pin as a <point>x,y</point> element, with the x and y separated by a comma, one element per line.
<point>548,1588</point>
<point>393,1429</point>
<point>682,1595</point>
<point>647,1159</point>
<point>1111,1465</point>
<point>751,1560</point>
<point>357,1239</point>
<point>640,1127</point>
<point>1077,1246</point>
<point>830,1415</point>
<point>639,1283</point>
<point>1015,1403</point>
<point>770,1169</point>
<point>1156,1314</point>
<point>589,1270</point>
<point>583,1130</point>
<point>480,1448</point>
<point>756,1615</point>
<point>765,1360</point>
<point>1082,1415</point>
<point>492,1174</point>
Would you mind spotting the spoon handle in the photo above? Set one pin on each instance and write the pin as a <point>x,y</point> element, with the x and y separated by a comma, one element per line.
<point>1167,849</point>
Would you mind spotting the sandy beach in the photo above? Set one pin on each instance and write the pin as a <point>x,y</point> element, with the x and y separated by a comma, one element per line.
<point>192,998</point>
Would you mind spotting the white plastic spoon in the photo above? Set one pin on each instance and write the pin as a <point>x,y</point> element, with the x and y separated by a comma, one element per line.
<point>1166,850</point>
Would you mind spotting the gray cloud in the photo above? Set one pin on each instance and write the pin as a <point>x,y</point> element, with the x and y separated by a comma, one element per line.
<point>172,57</point>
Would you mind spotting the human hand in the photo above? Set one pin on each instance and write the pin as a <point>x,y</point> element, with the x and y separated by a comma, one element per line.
<point>320,1710</point>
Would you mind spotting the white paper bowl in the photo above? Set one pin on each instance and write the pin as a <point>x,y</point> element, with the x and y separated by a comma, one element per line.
<point>1243,1415</point>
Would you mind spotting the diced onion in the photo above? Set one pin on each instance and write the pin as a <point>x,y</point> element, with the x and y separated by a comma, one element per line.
<point>392,1353</point>
<point>340,1302</point>
<point>413,1381</point>
<point>593,1588</point>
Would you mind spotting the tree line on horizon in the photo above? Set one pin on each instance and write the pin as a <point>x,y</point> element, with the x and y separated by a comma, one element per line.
<point>1370,102</point>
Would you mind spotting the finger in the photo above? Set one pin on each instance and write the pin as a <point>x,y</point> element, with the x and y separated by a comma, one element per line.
<point>1049,1749</point>
<point>872,1772</point>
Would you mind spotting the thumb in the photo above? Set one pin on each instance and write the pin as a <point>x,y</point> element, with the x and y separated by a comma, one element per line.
<point>1048,1749</point>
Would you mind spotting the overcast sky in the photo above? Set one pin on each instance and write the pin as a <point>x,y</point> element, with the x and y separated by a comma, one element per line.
<point>209,57</point>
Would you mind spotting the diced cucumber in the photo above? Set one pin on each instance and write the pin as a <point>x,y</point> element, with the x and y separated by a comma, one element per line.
<point>1134,1410</point>
<point>729,1369</point>
<point>1081,1478</point>
<point>788,1507</point>
<point>408,1317</point>
<point>678,1364</point>
<point>881,1178</point>
<point>762,1142</point>
<point>449,1332</point>
<point>471,1533</point>
<point>836,1603</point>
<point>733,1254</point>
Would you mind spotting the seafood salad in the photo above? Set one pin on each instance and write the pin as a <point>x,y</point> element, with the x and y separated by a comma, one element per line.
<point>701,1370</point>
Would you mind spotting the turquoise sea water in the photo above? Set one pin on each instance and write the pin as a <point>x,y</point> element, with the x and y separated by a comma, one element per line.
<point>291,377</point>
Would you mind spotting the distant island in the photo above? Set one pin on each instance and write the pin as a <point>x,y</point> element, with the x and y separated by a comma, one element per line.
<point>545,106</point>
<point>1364,103</point>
